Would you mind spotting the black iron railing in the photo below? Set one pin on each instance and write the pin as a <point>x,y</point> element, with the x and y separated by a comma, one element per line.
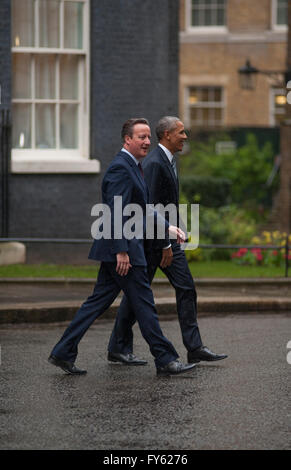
<point>286,247</point>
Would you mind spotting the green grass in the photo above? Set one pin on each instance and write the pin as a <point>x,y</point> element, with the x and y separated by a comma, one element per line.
<point>48,270</point>
<point>198,269</point>
<point>230,269</point>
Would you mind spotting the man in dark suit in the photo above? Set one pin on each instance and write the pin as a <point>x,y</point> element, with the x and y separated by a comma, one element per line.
<point>161,176</point>
<point>123,263</point>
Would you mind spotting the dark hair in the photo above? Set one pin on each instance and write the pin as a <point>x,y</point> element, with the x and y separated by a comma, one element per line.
<point>166,123</point>
<point>127,128</point>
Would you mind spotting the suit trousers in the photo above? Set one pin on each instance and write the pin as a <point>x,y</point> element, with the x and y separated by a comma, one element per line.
<point>180,277</point>
<point>137,289</point>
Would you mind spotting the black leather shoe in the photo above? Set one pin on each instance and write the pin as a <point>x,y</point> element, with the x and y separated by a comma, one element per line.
<point>68,367</point>
<point>204,354</point>
<point>128,359</point>
<point>174,368</point>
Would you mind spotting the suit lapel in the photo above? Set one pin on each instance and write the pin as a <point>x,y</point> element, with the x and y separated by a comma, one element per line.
<point>134,168</point>
<point>170,170</point>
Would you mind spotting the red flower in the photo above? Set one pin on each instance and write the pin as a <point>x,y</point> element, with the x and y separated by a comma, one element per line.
<point>241,252</point>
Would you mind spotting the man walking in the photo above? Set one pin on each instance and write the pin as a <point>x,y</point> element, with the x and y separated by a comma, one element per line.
<point>123,263</point>
<point>162,179</point>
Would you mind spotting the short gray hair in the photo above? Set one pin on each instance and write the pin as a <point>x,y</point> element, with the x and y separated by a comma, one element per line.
<point>166,123</point>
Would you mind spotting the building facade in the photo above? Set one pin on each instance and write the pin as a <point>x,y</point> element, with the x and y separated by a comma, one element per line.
<point>216,39</point>
<point>71,72</point>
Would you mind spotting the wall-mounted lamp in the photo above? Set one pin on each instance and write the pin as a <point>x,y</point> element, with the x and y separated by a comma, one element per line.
<point>248,76</point>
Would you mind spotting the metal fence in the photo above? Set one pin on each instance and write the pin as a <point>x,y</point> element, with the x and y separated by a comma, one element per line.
<point>286,247</point>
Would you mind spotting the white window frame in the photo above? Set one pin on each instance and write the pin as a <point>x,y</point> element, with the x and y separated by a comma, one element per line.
<point>275,26</point>
<point>201,29</point>
<point>273,92</point>
<point>62,160</point>
<point>205,104</point>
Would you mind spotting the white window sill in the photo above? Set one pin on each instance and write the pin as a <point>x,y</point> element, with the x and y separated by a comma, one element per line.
<point>280,28</point>
<point>52,161</point>
<point>214,36</point>
<point>207,29</point>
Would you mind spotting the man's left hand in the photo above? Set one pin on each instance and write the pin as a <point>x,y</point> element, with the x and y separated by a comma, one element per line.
<point>177,233</point>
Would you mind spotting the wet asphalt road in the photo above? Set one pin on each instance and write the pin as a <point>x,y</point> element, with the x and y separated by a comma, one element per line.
<point>242,402</point>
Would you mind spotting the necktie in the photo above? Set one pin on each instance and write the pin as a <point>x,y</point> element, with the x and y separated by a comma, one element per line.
<point>140,169</point>
<point>174,166</point>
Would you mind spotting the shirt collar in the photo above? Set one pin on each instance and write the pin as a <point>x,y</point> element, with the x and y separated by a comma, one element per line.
<point>130,154</point>
<point>167,152</point>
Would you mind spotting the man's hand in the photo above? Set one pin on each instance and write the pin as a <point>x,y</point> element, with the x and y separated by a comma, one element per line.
<point>167,257</point>
<point>177,233</point>
<point>123,263</point>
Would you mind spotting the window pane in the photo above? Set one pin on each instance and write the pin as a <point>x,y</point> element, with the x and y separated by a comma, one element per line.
<point>21,76</point>
<point>195,18</point>
<point>282,12</point>
<point>207,21</point>
<point>69,126</point>
<point>22,23</point>
<point>73,25</point>
<point>21,133</point>
<point>69,77</point>
<point>217,94</point>
<point>205,116</point>
<point>205,106</point>
<point>220,17</point>
<point>193,96</point>
<point>211,121</point>
<point>49,23</point>
<point>45,76</point>
<point>195,116</point>
<point>208,12</point>
<point>45,126</point>
<point>279,106</point>
<point>218,116</point>
<point>204,94</point>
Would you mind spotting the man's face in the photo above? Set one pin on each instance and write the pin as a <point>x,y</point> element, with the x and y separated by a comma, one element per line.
<point>176,138</point>
<point>138,145</point>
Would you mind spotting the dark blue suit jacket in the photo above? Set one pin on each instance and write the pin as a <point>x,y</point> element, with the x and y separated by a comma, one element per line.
<point>160,178</point>
<point>123,178</point>
<point>163,186</point>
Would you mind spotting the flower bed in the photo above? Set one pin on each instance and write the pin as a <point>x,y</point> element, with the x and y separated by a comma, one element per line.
<point>265,256</point>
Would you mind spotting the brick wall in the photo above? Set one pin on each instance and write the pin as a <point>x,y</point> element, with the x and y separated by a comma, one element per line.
<point>249,15</point>
<point>214,59</point>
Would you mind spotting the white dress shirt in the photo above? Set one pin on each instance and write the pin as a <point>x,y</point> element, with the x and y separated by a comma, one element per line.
<point>130,154</point>
<point>167,152</point>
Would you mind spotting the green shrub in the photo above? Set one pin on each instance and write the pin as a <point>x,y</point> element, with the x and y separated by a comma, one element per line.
<point>227,225</point>
<point>206,190</point>
<point>247,168</point>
